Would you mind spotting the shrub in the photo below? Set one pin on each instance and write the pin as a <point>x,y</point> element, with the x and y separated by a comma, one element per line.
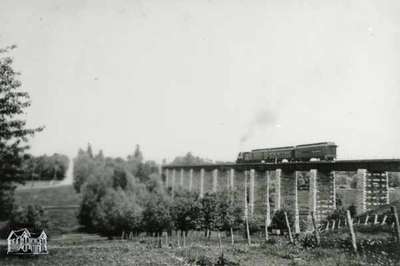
<point>32,217</point>
<point>279,221</point>
<point>308,240</point>
<point>353,210</point>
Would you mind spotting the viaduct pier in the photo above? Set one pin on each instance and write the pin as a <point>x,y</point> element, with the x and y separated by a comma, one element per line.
<point>302,187</point>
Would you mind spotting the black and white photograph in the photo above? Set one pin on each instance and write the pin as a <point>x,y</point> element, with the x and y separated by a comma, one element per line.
<point>199,132</point>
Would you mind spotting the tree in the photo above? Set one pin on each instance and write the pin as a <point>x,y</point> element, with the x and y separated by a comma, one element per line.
<point>117,211</point>
<point>229,211</point>
<point>138,155</point>
<point>185,210</point>
<point>83,167</point>
<point>13,131</point>
<point>156,214</point>
<point>45,167</point>
<point>208,212</point>
<point>32,217</point>
<point>112,200</point>
<point>89,150</point>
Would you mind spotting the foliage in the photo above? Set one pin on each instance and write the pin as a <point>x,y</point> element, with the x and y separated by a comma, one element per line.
<point>84,165</point>
<point>117,211</point>
<point>32,217</point>
<point>353,210</point>
<point>308,240</point>
<point>112,199</point>
<point>45,167</point>
<point>337,214</point>
<point>279,221</point>
<point>185,210</point>
<point>339,200</point>
<point>157,216</point>
<point>13,131</point>
<point>394,179</point>
<point>92,192</point>
<point>190,159</point>
<point>229,211</point>
<point>354,183</point>
<point>208,211</point>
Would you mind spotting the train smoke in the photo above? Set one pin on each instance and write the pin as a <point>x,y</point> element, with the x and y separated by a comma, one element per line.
<point>262,119</point>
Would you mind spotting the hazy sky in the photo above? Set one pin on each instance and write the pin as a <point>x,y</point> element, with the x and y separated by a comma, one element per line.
<point>211,77</point>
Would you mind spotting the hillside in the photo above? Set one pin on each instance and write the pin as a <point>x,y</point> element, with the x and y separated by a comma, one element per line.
<point>61,204</point>
<point>52,196</point>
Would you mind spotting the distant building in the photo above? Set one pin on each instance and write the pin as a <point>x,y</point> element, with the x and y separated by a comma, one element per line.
<point>23,242</point>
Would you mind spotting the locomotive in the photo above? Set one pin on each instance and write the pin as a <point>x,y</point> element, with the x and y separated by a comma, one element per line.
<point>300,153</point>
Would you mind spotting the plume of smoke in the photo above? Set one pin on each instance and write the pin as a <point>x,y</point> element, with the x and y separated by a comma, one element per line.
<point>262,119</point>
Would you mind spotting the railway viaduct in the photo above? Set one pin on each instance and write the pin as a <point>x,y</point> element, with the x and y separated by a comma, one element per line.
<point>303,187</point>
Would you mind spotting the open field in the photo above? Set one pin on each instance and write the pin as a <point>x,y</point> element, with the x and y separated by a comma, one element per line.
<point>52,196</point>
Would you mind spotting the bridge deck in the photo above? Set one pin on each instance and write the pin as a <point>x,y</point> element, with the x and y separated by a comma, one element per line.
<point>378,165</point>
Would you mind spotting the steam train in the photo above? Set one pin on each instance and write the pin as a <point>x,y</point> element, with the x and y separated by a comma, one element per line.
<point>300,153</point>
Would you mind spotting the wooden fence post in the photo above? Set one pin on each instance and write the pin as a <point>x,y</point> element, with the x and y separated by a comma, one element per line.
<point>232,237</point>
<point>396,222</point>
<point>384,220</point>
<point>351,229</point>
<point>248,231</point>
<point>220,243</point>
<point>288,227</point>
<point>315,228</point>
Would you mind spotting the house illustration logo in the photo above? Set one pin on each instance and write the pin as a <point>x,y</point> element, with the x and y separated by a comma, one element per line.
<point>23,242</point>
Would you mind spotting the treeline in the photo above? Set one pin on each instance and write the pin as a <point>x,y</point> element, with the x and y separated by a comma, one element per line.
<point>190,159</point>
<point>113,189</point>
<point>127,195</point>
<point>44,167</point>
<point>87,165</point>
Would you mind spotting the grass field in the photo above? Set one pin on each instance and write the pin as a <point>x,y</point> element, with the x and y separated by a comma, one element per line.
<point>63,202</point>
<point>81,249</point>
<point>56,196</point>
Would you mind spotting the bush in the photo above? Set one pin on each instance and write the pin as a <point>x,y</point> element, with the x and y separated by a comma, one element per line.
<point>308,241</point>
<point>254,225</point>
<point>279,221</point>
<point>353,210</point>
<point>32,217</point>
<point>338,214</point>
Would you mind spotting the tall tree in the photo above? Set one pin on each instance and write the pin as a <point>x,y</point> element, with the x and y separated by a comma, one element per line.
<point>13,131</point>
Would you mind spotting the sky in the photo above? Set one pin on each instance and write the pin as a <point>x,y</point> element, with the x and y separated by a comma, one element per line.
<point>210,77</point>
